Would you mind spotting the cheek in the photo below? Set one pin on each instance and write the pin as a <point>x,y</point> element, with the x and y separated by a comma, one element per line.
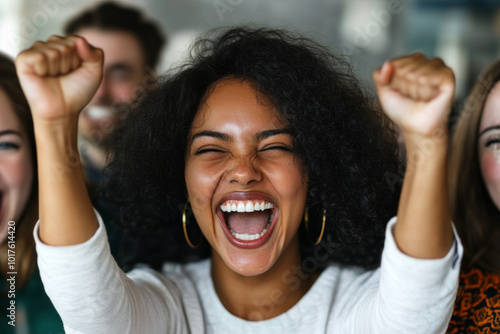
<point>17,171</point>
<point>291,186</point>
<point>490,169</point>
<point>289,179</point>
<point>123,92</point>
<point>200,184</point>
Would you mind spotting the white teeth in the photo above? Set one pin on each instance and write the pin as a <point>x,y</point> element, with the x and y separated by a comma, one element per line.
<point>245,206</point>
<point>246,236</point>
<point>97,112</point>
<point>241,207</point>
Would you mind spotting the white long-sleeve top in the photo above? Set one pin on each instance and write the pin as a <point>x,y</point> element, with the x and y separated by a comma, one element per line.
<point>92,295</point>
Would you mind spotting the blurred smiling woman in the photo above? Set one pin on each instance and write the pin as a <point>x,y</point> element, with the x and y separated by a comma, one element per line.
<point>34,312</point>
<point>475,203</point>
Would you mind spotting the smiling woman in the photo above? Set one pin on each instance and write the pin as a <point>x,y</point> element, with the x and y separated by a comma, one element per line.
<point>18,196</point>
<point>238,142</point>
<point>475,201</point>
<point>271,141</point>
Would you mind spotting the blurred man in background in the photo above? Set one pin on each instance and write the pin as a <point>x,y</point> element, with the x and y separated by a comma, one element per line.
<point>132,45</point>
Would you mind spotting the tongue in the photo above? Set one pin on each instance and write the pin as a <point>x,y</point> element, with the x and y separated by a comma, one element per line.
<point>248,222</point>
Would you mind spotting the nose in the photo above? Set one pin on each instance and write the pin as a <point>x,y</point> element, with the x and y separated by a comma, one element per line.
<point>244,172</point>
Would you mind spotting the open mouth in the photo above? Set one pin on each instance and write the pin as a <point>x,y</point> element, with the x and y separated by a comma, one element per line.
<point>99,112</point>
<point>247,223</point>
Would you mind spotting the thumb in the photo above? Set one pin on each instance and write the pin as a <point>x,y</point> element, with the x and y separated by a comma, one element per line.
<point>88,53</point>
<point>382,76</point>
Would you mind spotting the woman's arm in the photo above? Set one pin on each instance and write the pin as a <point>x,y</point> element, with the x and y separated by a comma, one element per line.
<point>417,93</point>
<point>415,288</point>
<point>59,77</point>
<point>89,291</point>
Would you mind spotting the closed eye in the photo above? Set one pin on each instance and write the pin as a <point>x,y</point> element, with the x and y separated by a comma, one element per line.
<point>492,141</point>
<point>282,148</point>
<point>207,151</point>
<point>9,146</point>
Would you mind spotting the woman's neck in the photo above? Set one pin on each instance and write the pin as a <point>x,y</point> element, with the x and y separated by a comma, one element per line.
<point>266,295</point>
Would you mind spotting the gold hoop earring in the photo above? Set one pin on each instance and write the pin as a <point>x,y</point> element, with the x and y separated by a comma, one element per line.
<point>185,229</point>
<point>306,222</point>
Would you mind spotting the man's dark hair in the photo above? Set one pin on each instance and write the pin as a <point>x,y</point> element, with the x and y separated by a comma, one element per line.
<point>111,16</point>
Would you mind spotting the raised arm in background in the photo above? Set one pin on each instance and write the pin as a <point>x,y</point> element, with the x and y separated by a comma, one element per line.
<point>59,77</point>
<point>417,93</point>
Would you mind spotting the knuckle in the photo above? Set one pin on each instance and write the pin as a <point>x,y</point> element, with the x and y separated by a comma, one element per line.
<point>24,53</point>
<point>21,57</point>
<point>39,56</point>
<point>74,38</point>
<point>65,49</point>
<point>424,78</point>
<point>32,56</point>
<point>38,44</point>
<point>419,55</point>
<point>52,54</point>
<point>55,38</point>
<point>438,62</point>
<point>411,76</point>
<point>70,41</point>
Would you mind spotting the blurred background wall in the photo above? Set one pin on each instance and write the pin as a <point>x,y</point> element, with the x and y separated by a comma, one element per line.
<point>465,33</point>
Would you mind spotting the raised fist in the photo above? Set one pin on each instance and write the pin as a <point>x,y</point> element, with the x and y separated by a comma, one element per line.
<point>60,76</point>
<point>416,93</point>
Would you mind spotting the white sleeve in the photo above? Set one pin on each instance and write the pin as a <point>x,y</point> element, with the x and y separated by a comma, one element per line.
<point>414,295</point>
<point>93,295</point>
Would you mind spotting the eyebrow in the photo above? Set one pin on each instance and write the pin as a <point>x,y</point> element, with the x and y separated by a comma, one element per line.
<point>119,67</point>
<point>225,137</point>
<point>494,127</point>
<point>213,134</point>
<point>10,132</point>
<point>270,133</point>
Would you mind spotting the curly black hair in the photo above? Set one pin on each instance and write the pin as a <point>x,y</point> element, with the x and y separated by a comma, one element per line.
<point>114,16</point>
<point>343,140</point>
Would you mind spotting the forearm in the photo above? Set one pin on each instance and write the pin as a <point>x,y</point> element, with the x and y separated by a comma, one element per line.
<point>92,295</point>
<point>414,295</point>
<point>405,295</point>
<point>66,213</point>
<point>424,228</point>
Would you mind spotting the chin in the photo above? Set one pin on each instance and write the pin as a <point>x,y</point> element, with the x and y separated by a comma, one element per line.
<point>250,268</point>
<point>250,262</point>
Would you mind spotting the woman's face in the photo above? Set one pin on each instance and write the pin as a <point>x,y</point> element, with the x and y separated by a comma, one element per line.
<point>489,145</point>
<point>246,187</point>
<point>16,166</point>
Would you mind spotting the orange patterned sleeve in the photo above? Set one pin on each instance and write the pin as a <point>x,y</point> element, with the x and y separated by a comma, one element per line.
<point>477,308</point>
